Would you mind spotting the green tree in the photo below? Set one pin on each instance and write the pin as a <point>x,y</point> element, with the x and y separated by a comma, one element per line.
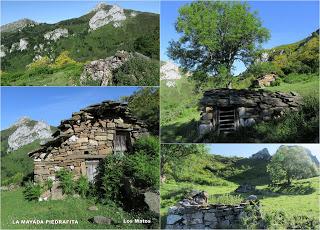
<point>170,154</point>
<point>215,34</point>
<point>291,162</point>
<point>144,103</point>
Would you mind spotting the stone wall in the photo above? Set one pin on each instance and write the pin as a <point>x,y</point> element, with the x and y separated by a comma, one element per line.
<point>205,217</point>
<point>89,135</point>
<point>251,106</point>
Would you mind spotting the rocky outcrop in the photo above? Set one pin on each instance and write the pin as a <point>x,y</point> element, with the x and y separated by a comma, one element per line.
<point>101,71</point>
<point>56,34</point>
<point>102,17</point>
<point>26,133</point>
<point>246,188</point>
<point>169,72</point>
<point>210,216</point>
<point>225,110</point>
<point>21,45</point>
<point>262,155</point>
<point>265,80</point>
<point>17,25</point>
<point>3,51</point>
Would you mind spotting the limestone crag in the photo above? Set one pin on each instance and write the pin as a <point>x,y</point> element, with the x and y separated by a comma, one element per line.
<point>26,134</point>
<point>101,71</point>
<point>3,51</point>
<point>170,73</point>
<point>56,34</point>
<point>21,45</point>
<point>102,17</point>
<point>262,155</point>
<point>244,107</point>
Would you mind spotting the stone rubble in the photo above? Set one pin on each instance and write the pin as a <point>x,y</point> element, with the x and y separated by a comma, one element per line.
<point>101,71</point>
<point>265,80</point>
<point>103,17</point>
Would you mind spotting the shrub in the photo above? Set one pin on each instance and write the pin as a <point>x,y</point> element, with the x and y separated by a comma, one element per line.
<point>280,220</point>
<point>109,178</point>
<point>83,186</point>
<point>32,191</point>
<point>144,169</point>
<point>138,71</point>
<point>49,184</point>
<point>63,59</point>
<point>66,181</point>
<point>148,144</point>
<point>263,68</point>
<point>42,62</point>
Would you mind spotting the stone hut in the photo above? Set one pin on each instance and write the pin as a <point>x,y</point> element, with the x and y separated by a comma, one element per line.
<point>225,110</point>
<point>87,137</point>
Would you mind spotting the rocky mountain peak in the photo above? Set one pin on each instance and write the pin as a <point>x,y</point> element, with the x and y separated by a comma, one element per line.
<point>17,25</point>
<point>262,155</point>
<point>99,6</point>
<point>115,15</point>
<point>27,131</point>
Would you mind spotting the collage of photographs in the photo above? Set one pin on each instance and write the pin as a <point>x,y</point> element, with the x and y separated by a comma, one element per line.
<point>159,114</point>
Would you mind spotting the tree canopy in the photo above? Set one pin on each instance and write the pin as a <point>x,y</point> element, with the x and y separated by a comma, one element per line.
<point>214,34</point>
<point>291,162</point>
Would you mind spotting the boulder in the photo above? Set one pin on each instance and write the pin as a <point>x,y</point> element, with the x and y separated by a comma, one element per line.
<point>93,208</point>
<point>153,201</point>
<point>265,80</point>
<point>101,220</point>
<point>252,198</point>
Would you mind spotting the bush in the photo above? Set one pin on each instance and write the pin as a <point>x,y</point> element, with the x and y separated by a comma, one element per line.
<point>138,71</point>
<point>63,59</point>
<point>83,186</point>
<point>49,184</point>
<point>66,181</point>
<point>280,220</point>
<point>109,178</point>
<point>42,62</point>
<point>263,68</point>
<point>144,169</point>
<point>32,191</point>
<point>148,144</point>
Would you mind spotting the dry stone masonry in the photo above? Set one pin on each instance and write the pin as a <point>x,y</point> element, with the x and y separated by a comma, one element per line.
<point>225,110</point>
<point>195,213</point>
<point>84,139</point>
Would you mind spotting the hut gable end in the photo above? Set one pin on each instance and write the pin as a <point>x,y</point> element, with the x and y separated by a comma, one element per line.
<point>88,136</point>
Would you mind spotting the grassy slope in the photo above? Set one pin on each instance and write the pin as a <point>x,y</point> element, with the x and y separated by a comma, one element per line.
<point>15,207</point>
<point>179,106</point>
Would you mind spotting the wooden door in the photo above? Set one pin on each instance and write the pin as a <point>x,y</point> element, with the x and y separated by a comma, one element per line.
<point>227,120</point>
<point>91,169</point>
<point>120,143</point>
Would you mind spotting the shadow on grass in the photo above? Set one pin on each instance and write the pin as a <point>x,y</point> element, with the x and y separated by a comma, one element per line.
<point>303,188</point>
<point>185,132</point>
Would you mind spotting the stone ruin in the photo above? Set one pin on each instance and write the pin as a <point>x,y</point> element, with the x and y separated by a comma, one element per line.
<point>226,110</point>
<point>196,213</point>
<point>101,71</point>
<point>246,188</point>
<point>83,140</point>
<point>265,80</point>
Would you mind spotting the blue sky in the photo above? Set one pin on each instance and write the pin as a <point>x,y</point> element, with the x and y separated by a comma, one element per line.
<point>53,104</point>
<point>55,11</point>
<point>288,22</point>
<point>246,150</point>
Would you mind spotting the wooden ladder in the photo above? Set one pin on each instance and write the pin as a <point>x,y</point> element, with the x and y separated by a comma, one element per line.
<point>227,120</point>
